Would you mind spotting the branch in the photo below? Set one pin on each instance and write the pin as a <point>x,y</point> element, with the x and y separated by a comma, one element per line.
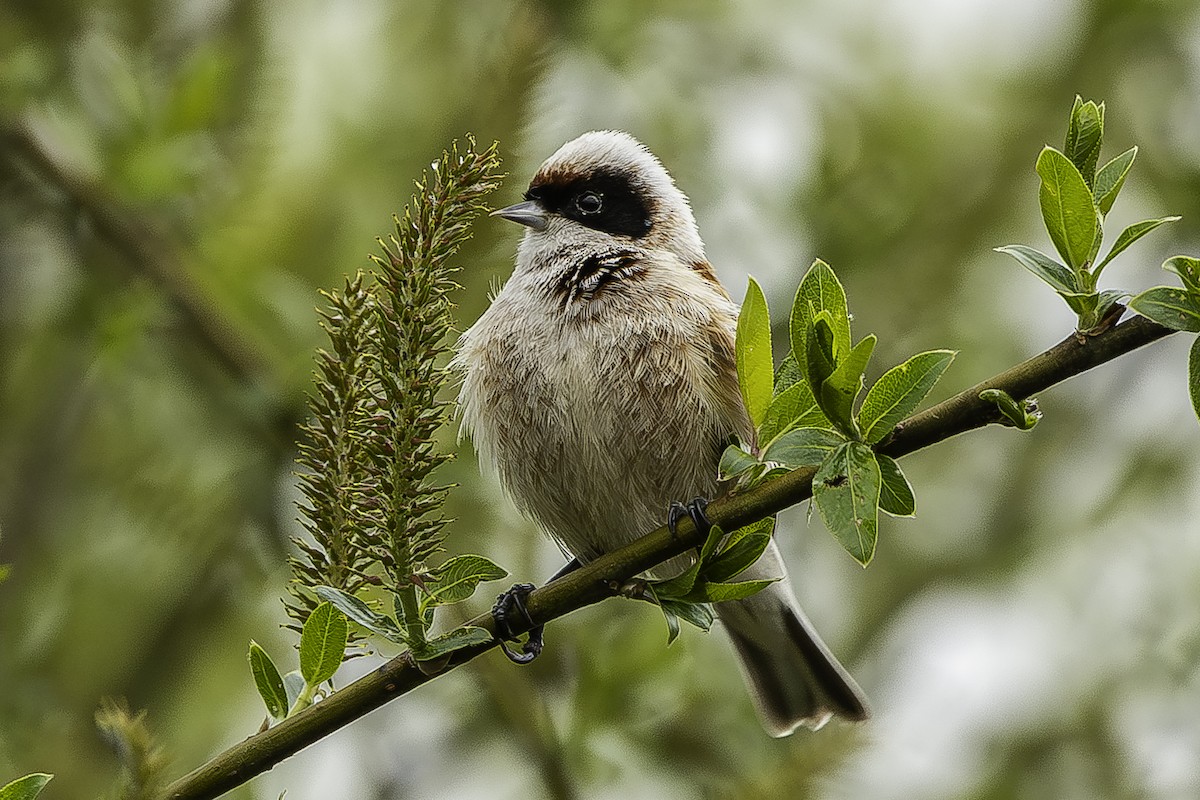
<point>603,577</point>
<point>146,249</point>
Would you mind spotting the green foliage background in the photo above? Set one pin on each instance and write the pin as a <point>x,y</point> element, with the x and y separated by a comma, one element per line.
<point>177,180</point>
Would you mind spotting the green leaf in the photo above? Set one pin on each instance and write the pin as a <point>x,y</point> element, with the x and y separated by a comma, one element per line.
<point>455,580</point>
<point>1194,375</point>
<point>734,560</point>
<point>672,621</point>
<point>1188,270</point>
<point>1169,306</point>
<point>293,685</point>
<point>322,644</point>
<point>795,407</point>
<point>698,614</point>
<point>755,366</point>
<point>1085,133</point>
<point>1108,298</point>
<point>899,391</point>
<point>1128,237</point>
<point>895,493</point>
<point>820,360</point>
<point>842,387</point>
<point>268,682</point>
<point>1111,178</point>
<point>361,613</point>
<point>803,447</point>
<point>819,291</point>
<point>1059,277</point>
<point>25,788</point>
<point>846,489</point>
<point>466,636</point>
<point>723,592</point>
<point>1067,207</point>
<point>715,535</point>
<point>5,571</point>
<point>765,526</point>
<point>681,584</point>
<point>788,374</point>
<point>735,462</point>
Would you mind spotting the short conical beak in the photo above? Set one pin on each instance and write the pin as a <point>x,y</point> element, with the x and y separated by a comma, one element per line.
<point>527,213</point>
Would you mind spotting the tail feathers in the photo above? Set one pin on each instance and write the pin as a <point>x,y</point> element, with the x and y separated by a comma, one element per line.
<point>794,679</point>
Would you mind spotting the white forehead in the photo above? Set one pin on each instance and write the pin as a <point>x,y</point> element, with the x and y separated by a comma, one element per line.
<point>611,150</point>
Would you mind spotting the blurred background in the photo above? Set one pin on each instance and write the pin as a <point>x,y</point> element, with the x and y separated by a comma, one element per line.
<point>177,179</point>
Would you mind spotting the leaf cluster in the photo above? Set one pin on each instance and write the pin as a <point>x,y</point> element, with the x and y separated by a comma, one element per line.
<point>322,645</point>
<point>710,578</point>
<point>806,412</point>
<point>1075,198</point>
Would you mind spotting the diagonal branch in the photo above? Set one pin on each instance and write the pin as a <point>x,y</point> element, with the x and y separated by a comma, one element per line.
<point>602,578</point>
<point>147,250</point>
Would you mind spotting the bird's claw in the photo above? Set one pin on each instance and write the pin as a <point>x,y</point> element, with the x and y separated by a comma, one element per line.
<point>506,604</point>
<point>692,509</point>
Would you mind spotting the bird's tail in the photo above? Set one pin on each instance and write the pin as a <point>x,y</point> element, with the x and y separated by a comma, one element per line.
<point>793,677</point>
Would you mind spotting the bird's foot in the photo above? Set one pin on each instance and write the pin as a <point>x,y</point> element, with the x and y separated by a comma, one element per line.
<point>692,509</point>
<point>509,605</point>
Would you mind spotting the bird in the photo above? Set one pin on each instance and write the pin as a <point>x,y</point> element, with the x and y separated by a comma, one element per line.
<point>600,387</point>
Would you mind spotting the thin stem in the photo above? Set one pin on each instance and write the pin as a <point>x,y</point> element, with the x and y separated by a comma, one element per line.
<point>602,578</point>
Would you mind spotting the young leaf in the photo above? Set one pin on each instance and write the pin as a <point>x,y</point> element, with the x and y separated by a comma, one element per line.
<point>803,447</point>
<point>1194,375</point>
<point>723,592</point>
<point>1111,178</point>
<point>455,580</point>
<point>1188,270</point>
<point>899,391</point>
<point>846,489</point>
<point>735,462</point>
<point>1169,306</point>
<point>672,622</point>
<point>25,788</point>
<point>1084,135</point>
<point>697,614</point>
<point>755,367</point>
<point>734,560</point>
<point>268,682</point>
<point>361,613</point>
<point>454,640</point>
<point>1022,416</point>
<point>765,526</point>
<point>322,644</point>
<point>715,535</point>
<point>1059,277</point>
<point>895,493</point>
<point>1067,207</point>
<point>820,361</point>
<point>847,379</point>
<point>795,407</point>
<point>293,685</point>
<point>681,584</point>
<point>819,291</point>
<point>1128,237</point>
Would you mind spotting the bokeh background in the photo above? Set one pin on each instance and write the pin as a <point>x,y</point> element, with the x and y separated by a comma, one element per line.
<point>177,179</point>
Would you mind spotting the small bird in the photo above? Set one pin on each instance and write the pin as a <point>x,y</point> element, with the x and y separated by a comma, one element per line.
<point>601,386</point>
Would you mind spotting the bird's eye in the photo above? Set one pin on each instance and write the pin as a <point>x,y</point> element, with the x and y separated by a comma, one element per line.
<point>589,203</point>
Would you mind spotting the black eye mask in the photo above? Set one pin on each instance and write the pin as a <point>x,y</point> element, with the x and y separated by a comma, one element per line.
<point>604,201</point>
